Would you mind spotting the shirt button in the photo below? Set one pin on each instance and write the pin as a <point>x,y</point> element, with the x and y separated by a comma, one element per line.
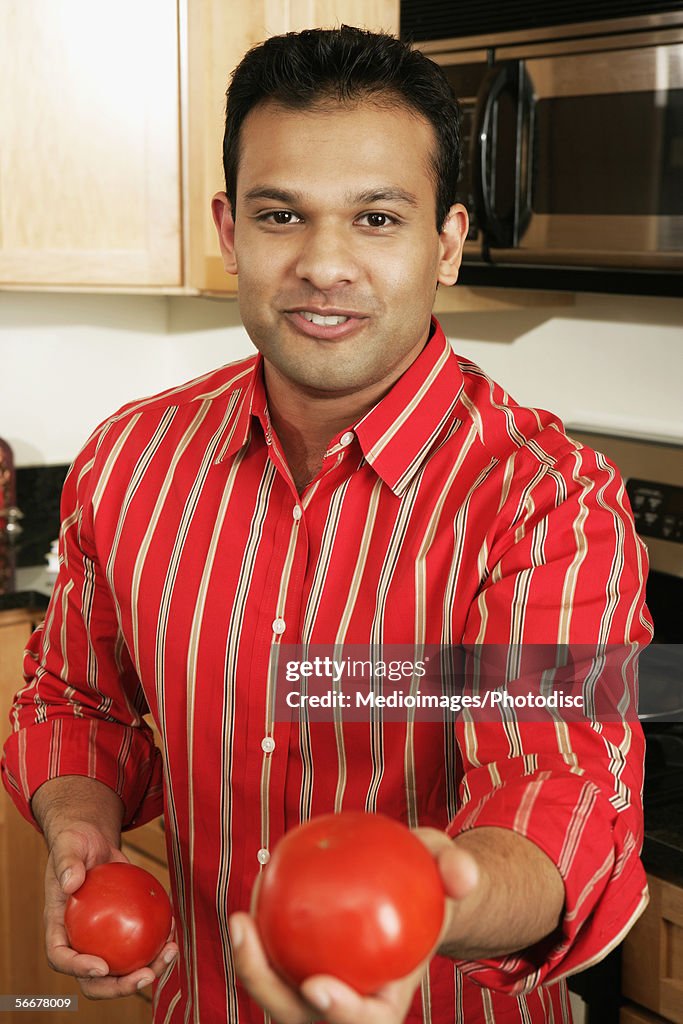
<point>296,512</point>
<point>346,438</point>
<point>278,626</point>
<point>263,856</point>
<point>268,744</point>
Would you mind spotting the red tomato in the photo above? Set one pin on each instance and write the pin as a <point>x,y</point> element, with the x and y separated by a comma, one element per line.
<point>121,913</point>
<point>353,895</point>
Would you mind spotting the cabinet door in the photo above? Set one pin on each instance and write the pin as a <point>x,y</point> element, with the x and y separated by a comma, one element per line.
<point>652,953</point>
<point>89,162</point>
<point>24,969</point>
<point>218,35</point>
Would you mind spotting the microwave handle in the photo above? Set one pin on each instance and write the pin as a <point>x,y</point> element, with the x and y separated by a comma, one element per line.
<point>526,110</point>
<point>509,76</point>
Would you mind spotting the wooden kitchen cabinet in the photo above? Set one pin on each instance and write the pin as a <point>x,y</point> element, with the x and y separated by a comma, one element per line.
<point>113,119</point>
<point>218,36</point>
<point>24,969</point>
<point>652,959</point>
<point>90,154</point>
<point>112,125</point>
<point>634,1015</point>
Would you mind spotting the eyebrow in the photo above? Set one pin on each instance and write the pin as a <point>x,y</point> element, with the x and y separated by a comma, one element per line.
<point>383,194</point>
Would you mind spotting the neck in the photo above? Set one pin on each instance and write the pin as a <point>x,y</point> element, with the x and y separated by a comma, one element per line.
<point>306,420</point>
<point>305,425</point>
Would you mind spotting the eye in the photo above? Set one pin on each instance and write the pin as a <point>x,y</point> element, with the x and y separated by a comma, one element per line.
<point>378,220</point>
<point>279,217</point>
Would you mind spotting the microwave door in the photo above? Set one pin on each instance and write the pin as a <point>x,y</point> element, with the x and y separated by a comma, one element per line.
<point>502,137</point>
<point>466,73</point>
<point>607,167</point>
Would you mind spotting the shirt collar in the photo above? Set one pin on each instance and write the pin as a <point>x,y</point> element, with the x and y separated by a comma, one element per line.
<point>237,430</point>
<point>398,433</point>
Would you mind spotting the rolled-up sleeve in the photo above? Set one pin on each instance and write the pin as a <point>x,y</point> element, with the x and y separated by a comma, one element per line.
<point>570,577</point>
<point>80,711</point>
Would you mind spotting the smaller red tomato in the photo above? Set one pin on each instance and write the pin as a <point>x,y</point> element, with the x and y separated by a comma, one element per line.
<point>120,913</point>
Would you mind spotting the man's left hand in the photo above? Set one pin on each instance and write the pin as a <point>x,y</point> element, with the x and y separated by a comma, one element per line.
<point>322,997</point>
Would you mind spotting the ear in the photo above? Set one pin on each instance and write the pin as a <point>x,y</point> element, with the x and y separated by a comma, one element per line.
<point>225,226</point>
<point>451,241</point>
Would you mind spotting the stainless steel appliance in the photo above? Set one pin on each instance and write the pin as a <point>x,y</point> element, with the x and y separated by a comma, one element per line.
<point>573,145</point>
<point>653,473</point>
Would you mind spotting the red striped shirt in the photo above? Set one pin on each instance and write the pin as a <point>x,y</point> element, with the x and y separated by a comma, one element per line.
<point>447,514</point>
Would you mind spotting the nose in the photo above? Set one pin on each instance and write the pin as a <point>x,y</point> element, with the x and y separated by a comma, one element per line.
<point>326,259</point>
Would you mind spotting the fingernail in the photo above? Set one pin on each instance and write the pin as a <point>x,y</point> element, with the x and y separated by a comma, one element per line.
<point>320,997</point>
<point>170,956</point>
<point>66,875</point>
<point>236,934</point>
<point>144,982</point>
<point>97,972</point>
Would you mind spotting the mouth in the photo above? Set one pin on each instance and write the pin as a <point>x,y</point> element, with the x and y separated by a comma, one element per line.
<point>326,324</point>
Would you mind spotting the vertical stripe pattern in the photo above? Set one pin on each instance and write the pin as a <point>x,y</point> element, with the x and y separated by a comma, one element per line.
<point>189,564</point>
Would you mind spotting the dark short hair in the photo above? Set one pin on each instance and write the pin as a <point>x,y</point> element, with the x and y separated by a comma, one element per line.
<point>346,64</point>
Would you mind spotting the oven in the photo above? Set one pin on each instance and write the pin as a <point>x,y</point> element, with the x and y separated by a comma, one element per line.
<point>653,472</point>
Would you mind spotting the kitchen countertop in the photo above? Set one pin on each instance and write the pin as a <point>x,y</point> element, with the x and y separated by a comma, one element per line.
<point>32,589</point>
<point>663,846</point>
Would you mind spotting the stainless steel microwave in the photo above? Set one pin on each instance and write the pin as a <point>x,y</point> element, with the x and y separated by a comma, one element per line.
<point>573,144</point>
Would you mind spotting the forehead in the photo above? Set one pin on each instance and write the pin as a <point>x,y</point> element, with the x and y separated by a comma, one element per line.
<point>337,145</point>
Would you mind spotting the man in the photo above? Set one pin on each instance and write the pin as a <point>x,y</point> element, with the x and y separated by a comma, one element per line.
<point>355,483</point>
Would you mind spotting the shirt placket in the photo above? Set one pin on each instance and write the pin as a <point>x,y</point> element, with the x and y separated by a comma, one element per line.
<point>269,728</point>
<point>292,540</point>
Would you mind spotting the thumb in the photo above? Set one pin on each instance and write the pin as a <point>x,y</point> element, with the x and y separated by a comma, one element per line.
<point>74,851</point>
<point>68,865</point>
<point>459,871</point>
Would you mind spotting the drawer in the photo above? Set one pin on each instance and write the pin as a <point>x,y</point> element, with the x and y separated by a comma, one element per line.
<point>634,1015</point>
<point>652,953</point>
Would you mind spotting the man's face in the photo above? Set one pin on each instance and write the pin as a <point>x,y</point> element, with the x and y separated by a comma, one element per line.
<point>335,218</point>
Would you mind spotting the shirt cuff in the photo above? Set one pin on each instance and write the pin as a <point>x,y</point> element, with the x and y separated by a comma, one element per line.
<point>596,850</point>
<point>122,757</point>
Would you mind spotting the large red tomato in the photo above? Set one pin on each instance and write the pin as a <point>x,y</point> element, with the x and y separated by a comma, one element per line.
<point>121,913</point>
<point>353,895</point>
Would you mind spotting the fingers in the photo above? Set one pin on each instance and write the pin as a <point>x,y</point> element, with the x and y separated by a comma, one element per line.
<point>320,997</point>
<point>92,973</point>
<point>459,871</point>
<point>341,1004</point>
<point>72,853</point>
<point>112,987</point>
<point>283,1002</point>
<point>458,868</point>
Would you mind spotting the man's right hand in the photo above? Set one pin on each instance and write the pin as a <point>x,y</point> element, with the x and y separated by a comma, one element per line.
<point>74,851</point>
<point>81,821</point>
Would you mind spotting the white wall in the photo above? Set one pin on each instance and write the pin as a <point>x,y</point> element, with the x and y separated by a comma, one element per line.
<point>67,361</point>
<point>609,361</point>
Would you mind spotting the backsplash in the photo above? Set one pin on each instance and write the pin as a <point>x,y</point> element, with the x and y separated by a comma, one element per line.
<point>39,491</point>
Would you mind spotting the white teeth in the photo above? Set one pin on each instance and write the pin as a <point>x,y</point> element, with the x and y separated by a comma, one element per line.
<point>323,321</point>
